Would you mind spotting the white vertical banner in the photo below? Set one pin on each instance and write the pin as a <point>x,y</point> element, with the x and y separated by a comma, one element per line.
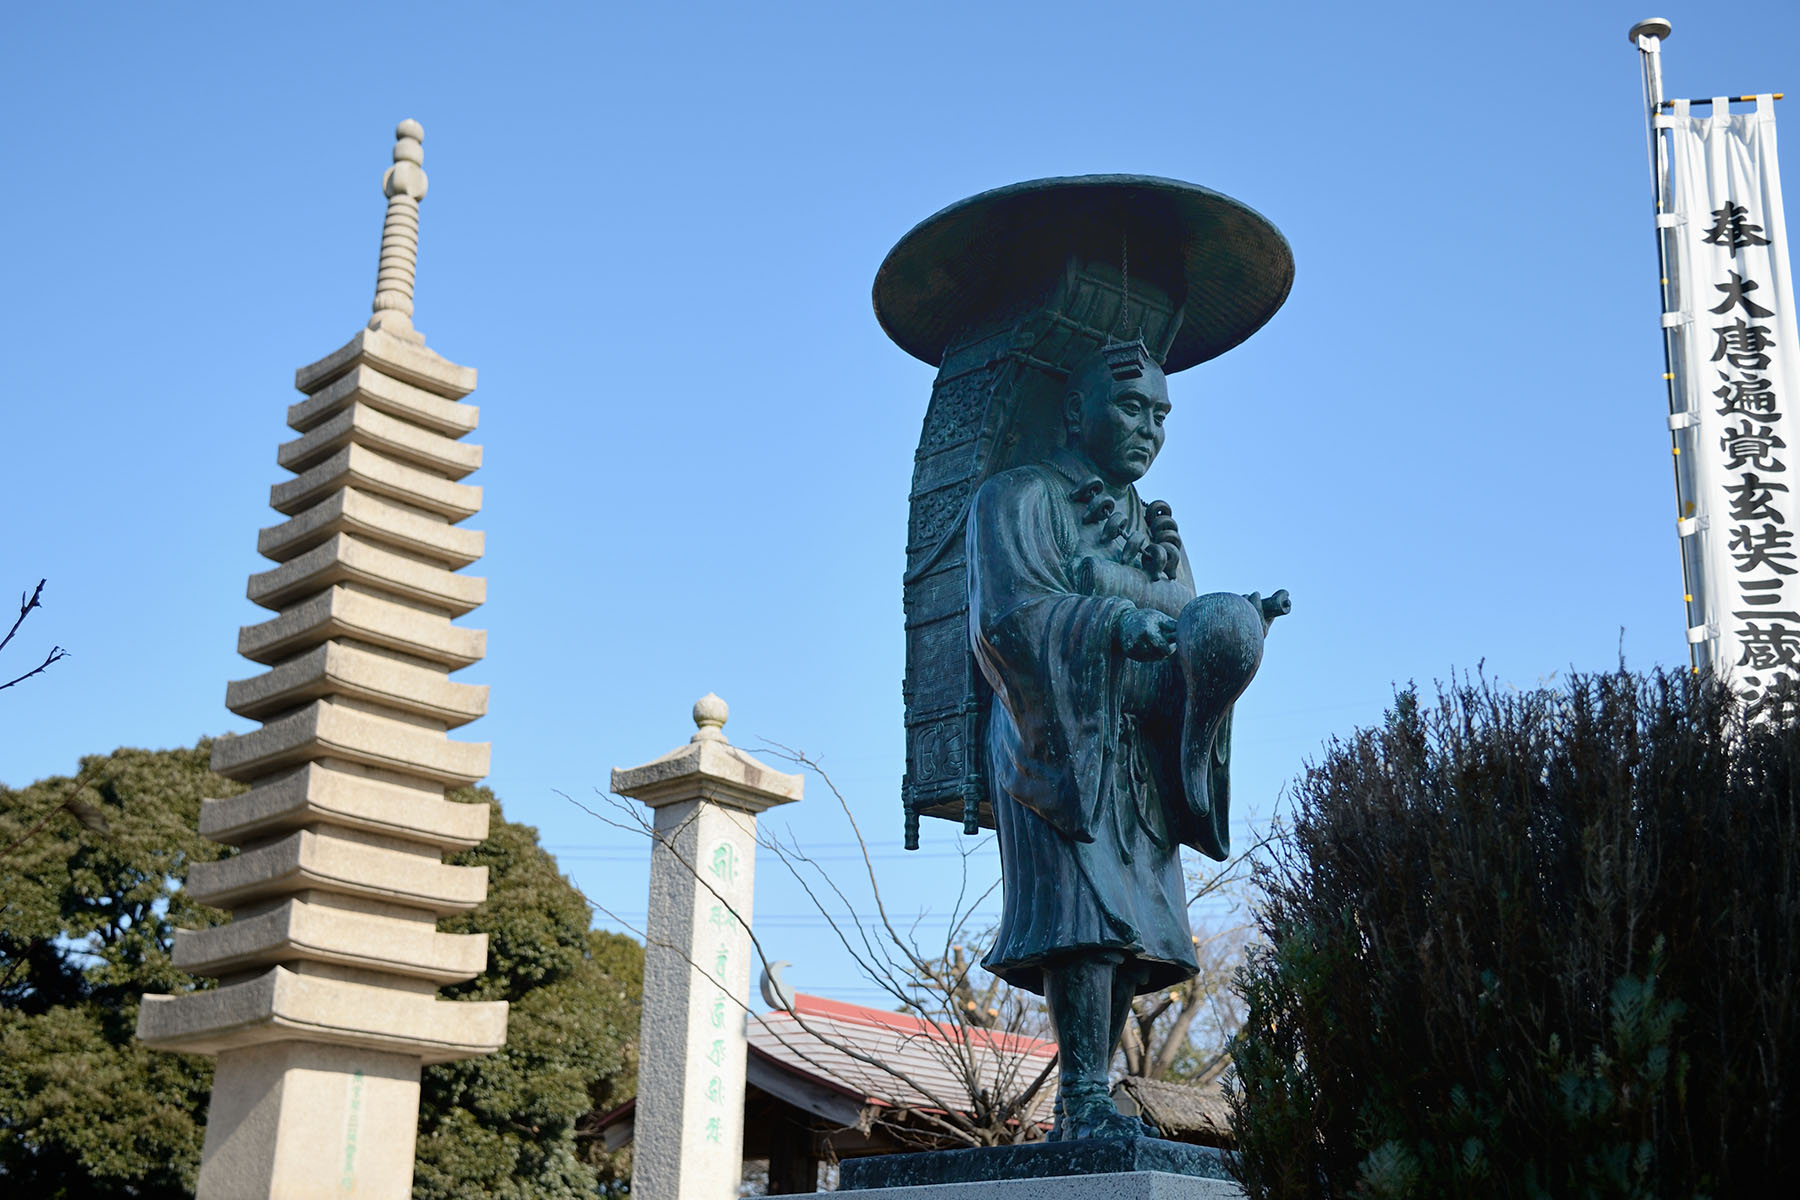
<point>1739,367</point>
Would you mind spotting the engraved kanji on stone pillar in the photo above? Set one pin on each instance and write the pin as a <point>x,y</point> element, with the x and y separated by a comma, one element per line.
<point>325,1008</point>
<point>688,1140</point>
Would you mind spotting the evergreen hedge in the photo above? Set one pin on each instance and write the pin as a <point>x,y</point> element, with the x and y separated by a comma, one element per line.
<point>1533,944</point>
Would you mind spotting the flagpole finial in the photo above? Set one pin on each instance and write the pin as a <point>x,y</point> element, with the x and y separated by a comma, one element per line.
<point>404,184</point>
<point>1656,27</point>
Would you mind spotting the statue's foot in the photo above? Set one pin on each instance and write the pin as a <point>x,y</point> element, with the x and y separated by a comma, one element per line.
<point>1094,1116</point>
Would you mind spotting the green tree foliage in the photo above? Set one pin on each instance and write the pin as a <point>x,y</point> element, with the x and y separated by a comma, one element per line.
<point>89,898</point>
<point>1533,944</point>
<point>507,1125</point>
<point>90,895</point>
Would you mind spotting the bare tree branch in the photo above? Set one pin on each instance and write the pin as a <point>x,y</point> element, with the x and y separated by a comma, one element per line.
<point>57,654</point>
<point>72,804</point>
<point>984,1050</point>
<point>1185,1030</point>
<point>855,1053</point>
<point>26,604</point>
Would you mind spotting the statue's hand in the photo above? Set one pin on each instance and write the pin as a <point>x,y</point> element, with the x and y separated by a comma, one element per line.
<point>1147,635</point>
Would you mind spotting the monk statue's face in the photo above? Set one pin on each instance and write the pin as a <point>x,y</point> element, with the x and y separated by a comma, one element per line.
<point>1118,423</point>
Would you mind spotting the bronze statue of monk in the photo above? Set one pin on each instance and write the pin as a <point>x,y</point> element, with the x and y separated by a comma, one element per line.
<point>1092,729</point>
<point>1077,594</point>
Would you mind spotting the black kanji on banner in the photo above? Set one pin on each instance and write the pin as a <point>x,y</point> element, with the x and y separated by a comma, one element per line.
<point>1737,294</point>
<point>1732,229</point>
<point>1762,551</point>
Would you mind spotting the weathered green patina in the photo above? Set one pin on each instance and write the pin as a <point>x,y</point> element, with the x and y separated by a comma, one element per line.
<point>1065,684</point>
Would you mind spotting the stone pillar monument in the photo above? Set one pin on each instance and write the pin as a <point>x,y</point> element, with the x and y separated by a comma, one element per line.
<point>690,1105</point>
<point>325,1008</point>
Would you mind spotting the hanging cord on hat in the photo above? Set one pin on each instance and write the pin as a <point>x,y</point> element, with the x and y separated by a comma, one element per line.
<point>1124,283</point>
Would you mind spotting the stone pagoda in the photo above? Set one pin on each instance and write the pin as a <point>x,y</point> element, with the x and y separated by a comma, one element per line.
<point>325,1008</point>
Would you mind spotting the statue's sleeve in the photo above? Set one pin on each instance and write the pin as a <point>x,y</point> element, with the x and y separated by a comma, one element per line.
<point>1048,652</point>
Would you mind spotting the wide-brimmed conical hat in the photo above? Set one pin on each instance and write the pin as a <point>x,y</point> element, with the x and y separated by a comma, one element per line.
<point>1226,265</point>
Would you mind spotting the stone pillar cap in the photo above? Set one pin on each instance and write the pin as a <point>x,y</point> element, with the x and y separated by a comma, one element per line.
<point>710,715</point>
<point>708,767</point>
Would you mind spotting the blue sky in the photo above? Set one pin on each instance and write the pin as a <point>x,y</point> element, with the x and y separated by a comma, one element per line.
<point>653,229</point>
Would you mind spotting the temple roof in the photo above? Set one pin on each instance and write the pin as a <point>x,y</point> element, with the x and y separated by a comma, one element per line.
<point>858,1072</point>
<point>1186,1112</point>
<point>893,1060</point>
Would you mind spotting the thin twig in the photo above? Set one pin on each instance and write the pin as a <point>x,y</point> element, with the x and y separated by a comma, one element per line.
<point>981,1117</point>
<point>65,804</point>
<point>57,654</point>
<point>25,606</point>
<point>850,1051</point>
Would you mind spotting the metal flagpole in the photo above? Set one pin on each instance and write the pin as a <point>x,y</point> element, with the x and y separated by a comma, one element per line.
<point>1647,36</point>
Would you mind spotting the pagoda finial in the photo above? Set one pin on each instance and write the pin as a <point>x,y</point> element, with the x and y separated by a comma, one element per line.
<point>404,184</point>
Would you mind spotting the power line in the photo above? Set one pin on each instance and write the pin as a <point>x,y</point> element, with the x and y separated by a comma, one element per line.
<point>976,921</point>
<point>622,857</point>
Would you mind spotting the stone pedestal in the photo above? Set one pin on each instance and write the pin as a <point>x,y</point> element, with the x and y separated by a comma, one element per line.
<point>1128,1185</point>
<point>697,959</point>
<point>326,1007</point>
<point>1094,1169</point>
<point>277,1109</point>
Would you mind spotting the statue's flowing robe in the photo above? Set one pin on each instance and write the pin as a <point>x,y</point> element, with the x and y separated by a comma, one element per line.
<point>1083,743</point>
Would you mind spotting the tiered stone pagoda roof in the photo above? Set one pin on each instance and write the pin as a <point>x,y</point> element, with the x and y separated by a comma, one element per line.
<point>339,880</point>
